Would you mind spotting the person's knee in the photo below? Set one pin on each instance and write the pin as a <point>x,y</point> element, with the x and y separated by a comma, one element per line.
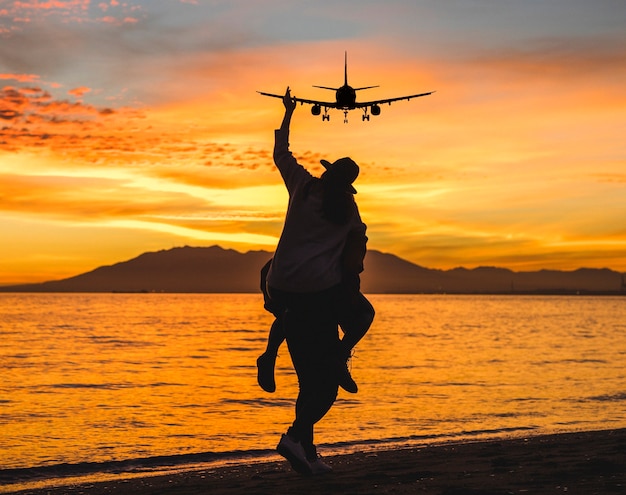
<point>327,395</point>
<point>367,318</point>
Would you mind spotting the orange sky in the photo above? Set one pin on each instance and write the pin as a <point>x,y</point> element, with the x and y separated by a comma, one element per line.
<point>129,127</point>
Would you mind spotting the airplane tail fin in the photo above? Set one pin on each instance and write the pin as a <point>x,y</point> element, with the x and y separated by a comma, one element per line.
<point>345,78</point>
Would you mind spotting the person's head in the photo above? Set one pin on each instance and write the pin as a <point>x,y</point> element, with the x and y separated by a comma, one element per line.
<point>341,174</point>
<point>338,189</point>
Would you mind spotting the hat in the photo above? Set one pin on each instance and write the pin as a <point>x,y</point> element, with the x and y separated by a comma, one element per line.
<point>343,171</point>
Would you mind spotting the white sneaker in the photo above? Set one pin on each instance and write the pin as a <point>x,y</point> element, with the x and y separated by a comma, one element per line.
<point>318,466</point>
<point>294,453</point>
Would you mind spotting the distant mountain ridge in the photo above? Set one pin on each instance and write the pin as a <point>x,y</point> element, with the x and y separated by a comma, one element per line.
<point>217,270</point>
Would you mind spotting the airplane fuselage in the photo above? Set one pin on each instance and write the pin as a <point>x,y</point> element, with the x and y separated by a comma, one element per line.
<point>346,97</point>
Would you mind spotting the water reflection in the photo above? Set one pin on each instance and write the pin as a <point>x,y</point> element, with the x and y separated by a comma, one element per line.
<point>98,377</point>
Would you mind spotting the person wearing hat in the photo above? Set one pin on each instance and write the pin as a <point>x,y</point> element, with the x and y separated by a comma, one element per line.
<point>322,235</point>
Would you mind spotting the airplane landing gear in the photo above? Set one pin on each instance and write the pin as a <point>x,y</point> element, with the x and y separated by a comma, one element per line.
<point>345,116</point>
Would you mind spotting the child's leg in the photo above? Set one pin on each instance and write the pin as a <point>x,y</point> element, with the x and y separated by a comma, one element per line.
<point>277,334</point>
<point>276,337</point>
<point>267,361</point>
<point>355,317</point>
<point>355,321</point>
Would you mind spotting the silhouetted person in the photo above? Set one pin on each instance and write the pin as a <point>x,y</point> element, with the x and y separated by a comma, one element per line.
<point>355,316</point>
<point>304,282</point>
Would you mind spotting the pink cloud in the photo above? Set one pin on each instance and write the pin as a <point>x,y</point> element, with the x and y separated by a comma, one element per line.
<point>109,19</point>
<point>50,5</point>
<point>71,4</point>
<point>75,11</point>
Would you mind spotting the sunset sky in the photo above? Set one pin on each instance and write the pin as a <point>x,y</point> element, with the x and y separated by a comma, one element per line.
<point>133,126</point>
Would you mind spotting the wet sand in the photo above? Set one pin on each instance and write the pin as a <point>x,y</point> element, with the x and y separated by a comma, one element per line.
<point>583,462</point>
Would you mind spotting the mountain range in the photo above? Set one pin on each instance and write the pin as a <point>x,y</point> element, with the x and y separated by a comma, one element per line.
<point>217,270</point>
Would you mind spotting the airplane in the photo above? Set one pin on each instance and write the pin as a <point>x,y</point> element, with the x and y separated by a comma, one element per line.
<point>345,99</point>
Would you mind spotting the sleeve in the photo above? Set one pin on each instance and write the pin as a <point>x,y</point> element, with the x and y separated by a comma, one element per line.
<point>354,252</point>
<point>290,170</point>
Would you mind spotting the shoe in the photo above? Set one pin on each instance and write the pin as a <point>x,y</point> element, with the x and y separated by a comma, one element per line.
<point>294,452</point>
<point>265,372</point>
<point>318,466</point>
<point>346,381</point>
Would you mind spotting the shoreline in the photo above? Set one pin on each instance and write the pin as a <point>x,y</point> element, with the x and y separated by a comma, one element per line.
<point>11,289</point>
<point>580,462</point>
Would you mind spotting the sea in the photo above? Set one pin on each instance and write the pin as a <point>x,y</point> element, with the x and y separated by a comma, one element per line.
<point>101,386</point>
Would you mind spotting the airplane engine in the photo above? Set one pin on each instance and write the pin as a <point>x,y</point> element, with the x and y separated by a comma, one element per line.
<point>375,110</point>
<point>316,109</point>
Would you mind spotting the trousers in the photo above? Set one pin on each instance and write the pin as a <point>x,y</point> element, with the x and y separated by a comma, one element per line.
<point>310,324</point>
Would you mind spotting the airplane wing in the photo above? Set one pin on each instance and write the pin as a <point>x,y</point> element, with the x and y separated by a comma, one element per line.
<point>326,104</point>
<point>390,100</point>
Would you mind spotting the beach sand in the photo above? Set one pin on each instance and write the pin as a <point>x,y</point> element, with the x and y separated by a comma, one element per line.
<point>582,462</point>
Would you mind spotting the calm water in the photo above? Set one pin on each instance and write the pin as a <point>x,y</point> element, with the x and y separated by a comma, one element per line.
<point>153,378</point>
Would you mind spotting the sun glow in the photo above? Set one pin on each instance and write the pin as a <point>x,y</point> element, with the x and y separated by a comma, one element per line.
<point>196,234</point>
<point>517,159</point>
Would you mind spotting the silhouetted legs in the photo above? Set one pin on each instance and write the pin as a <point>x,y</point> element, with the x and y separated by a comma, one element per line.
<point>310,328</point>
<point>354,314</point>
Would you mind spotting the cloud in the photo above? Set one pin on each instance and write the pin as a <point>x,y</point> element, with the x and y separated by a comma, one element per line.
<point>23,78</point>
<point>89,199</point>
<point>567,61</point>
<point>9,114</point>
<point>79,92</point>
<point>143,55</point>
<point>118,21</point>
<point>523,135</point>
<point>613,178</point>
<point>34,114</point>
<point>15,15</point>
<point>136,204</point>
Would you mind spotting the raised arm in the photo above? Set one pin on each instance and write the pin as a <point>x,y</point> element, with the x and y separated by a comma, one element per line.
<point>290,106</point>
<point>292,172</point>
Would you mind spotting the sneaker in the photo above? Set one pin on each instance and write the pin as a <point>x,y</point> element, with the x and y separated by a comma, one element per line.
<point>346,381</point>
<point>318,466</point>
<point>265,372</point>
<point>294,452</point>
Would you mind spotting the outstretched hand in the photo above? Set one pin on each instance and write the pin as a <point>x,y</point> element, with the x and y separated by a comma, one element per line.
<point>288,101</point>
